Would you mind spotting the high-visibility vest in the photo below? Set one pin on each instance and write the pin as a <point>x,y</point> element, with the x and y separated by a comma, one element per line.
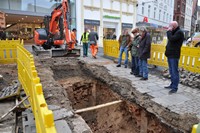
<point>85,38</point>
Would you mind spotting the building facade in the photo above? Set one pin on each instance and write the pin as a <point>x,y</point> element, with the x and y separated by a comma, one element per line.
<point>198,20</point>
<point>107,18</point>
<point>179,12</point>
<point>188,17</point>
<point>24,16</point>
<point>194,16</point>
<point>158,12</point>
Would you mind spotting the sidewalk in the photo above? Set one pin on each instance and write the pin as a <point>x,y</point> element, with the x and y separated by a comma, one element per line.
<point>186,100</point>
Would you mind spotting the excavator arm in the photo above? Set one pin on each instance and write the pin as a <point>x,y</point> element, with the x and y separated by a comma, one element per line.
<point>56,34</point>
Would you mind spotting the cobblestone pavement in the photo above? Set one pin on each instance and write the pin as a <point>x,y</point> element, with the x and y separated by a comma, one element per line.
<point>186,100</point>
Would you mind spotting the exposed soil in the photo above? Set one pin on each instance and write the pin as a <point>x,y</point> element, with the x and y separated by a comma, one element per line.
<point>9,73</point>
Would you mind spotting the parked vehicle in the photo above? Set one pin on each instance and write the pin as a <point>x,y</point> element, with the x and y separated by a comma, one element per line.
<point>194,40</point>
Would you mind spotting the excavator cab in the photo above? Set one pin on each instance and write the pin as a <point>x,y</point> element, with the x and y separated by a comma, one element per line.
<point>55,38</point>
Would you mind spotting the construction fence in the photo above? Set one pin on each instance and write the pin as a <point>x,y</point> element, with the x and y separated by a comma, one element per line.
<point>12,51</point>
<point>189,60</point>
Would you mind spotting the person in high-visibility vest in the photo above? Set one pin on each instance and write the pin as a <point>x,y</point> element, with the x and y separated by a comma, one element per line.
<point>85,40</point>
<point>73,37</point>
<point>93,37</point>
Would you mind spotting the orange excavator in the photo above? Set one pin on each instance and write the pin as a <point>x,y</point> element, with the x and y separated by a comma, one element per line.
<point>55,38</point>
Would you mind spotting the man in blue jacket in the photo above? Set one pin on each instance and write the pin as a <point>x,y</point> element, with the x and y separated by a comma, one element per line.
<point>173,51</point>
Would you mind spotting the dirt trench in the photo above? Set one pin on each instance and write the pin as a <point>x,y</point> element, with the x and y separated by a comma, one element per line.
<point>85,89</point>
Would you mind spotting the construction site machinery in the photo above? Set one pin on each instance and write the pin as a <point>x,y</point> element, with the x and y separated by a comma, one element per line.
<point>55,39</point>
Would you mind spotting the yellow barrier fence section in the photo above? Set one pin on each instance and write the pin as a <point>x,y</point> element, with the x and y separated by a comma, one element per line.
<point>8,53</point>
<point>30,82</point>
<point>189,60</point>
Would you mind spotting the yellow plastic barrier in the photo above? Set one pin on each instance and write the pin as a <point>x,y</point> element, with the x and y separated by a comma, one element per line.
<point>189,60</point>
<point>8,51</point>
<point>30,82</point>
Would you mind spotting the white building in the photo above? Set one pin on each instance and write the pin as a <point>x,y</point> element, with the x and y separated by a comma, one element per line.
<point>105,16</point>
<point>188,17</point>
<point>159,12</point>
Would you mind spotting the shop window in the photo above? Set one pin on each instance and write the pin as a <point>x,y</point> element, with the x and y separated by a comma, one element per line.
<point>4,4</point>
<point>109,33</point>
<point>22,5</point>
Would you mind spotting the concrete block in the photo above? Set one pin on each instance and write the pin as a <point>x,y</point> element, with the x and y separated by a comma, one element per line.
<point>28,122</point>
<point>62,127</point>
<point>62,113</point>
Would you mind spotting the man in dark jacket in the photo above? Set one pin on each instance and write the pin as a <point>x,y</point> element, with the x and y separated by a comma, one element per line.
<point>144,53</point>
<point>173,51</point>
<point>93,38</point>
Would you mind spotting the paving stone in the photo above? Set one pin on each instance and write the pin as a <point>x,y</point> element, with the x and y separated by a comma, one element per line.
<point>143,89</point>
<point>154,88</point>
<point>170,100</point>
<point>151,84</point>
<point>157,94</point>
<point>28,122</point>
<point>6,129</point>
<point>54,107</point>
<point>62,113</point>
<point>62,127</point>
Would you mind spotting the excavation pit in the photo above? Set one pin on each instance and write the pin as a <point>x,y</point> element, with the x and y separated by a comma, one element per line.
<point>84,90</point>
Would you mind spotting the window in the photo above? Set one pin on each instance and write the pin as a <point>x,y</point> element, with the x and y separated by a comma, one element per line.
<point>164,16</point>
<point>149,11</point>
<point>177,19</point>
<point>183,8</point>
<point>154,15</point>
<point>167,18</point>
<point>171,3</point>
<point>142,9</point>
<point>182,21</point>
<point>178,6</point>
<point>159,14</point>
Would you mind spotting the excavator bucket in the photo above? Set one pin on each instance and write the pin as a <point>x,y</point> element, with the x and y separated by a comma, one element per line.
<point>65,53</point>
<point>55,52</point>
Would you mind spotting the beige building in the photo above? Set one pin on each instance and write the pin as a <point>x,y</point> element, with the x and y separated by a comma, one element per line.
<point>106,17</point>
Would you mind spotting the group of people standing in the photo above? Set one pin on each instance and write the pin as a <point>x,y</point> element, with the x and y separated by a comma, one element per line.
<point>90,38</point>
<point>139,46</point>
<point>140,49</point>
